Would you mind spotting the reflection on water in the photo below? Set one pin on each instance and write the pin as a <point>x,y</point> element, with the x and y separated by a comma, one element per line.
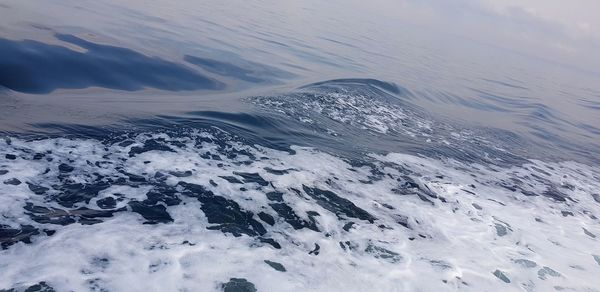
<point>34,67</point>
<point>252,72</point>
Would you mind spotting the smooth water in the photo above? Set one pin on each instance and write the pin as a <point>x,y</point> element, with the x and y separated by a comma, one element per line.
<point>269,146</point>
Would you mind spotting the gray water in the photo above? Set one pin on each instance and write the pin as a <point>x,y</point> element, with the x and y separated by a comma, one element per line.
<point>185,146</point>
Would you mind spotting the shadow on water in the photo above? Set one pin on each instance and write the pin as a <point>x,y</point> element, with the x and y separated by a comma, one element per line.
<point>34,67</point>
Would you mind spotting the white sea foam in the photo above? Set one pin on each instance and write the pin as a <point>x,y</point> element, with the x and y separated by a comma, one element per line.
<point>362,112</point>
<point>467,228</point>
<point>353,108</point>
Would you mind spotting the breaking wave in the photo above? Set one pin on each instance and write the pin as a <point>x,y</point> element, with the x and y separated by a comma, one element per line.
<point>213,207</point>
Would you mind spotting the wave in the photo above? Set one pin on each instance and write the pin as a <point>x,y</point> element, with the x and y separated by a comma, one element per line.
<point>347,174</point>
<point>163,208</point>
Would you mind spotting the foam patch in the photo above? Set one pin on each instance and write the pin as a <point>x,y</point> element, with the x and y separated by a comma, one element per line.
<point>202,210</point>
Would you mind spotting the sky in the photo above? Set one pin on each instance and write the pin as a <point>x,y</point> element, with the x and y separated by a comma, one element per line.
<point>566,32</point>
<point>579,17</point>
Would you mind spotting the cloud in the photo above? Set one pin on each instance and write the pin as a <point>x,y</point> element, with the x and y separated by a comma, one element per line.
<point>543,28</point>
<point>578,17</point>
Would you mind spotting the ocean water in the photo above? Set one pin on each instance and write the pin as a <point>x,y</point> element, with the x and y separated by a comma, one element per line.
<point>268,146</point>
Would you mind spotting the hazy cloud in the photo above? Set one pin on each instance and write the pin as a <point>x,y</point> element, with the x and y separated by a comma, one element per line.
<point>566,32</point>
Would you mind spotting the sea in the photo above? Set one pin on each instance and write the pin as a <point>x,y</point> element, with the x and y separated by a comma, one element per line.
<point>287,146</point>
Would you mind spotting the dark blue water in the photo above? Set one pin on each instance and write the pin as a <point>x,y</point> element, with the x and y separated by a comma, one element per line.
<point>285,146</point>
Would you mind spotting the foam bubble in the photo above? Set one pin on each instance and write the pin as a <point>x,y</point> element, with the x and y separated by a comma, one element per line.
<point>191,212</point>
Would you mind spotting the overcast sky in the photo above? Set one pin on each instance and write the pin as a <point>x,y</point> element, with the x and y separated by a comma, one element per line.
<point>580,17</point>
<point>564,31</point>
